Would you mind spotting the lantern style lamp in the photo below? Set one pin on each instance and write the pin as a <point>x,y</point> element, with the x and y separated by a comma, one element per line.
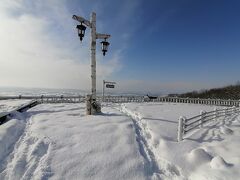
<point>105,45</point>
<point>81,31</point>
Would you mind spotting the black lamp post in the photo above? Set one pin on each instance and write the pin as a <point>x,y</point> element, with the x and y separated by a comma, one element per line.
<point>81,31</point>
<point>105,45</point>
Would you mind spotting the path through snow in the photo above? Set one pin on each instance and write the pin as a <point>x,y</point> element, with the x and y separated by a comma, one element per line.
<point>29,158</point>
<point>155,166</point>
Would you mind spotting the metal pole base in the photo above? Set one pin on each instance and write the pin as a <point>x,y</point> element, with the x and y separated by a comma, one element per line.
<point>95,108</point>
<point>92,106</point>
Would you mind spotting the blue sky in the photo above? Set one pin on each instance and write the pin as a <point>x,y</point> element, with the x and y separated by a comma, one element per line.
<point>157,46</point>
<point>174,41</point>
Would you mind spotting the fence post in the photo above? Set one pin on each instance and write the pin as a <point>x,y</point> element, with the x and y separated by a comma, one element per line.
<point>215,114</point>
<point>225,115</point>
<point>235,109</point>
<point>180,128</point>
<point>203,114</point>
<point>226,111</point>
<point>42,98</point>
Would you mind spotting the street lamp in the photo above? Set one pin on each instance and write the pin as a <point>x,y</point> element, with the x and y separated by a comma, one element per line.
<point>105,45</point>
<point>81,31</point>
<point>92,105</point>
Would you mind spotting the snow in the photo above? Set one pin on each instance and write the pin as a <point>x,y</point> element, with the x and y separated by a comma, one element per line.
<point>218,163</point>
<point>163,117</point>
<point>126,141</point>
<point>10,105</point>
<point>225,130</point>
<point>60,142</point>
<point>199,155</point>
<point>9,134</point>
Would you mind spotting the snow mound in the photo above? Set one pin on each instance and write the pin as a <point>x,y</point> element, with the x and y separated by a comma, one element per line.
<point>9,134</point>
<point>226,130</point>
<point>199,156</point>
<point>218,163</point>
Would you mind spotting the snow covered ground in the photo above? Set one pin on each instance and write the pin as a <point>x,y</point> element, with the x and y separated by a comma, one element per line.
<point>208,153</point>
<point>128,141</point>
<point>9,105</point>
<point>60,142</point>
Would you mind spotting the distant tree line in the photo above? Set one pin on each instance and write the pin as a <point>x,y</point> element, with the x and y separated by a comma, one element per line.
<point>228,92</point>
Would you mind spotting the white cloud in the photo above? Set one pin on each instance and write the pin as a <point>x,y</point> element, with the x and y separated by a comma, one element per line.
<point>39,47</point>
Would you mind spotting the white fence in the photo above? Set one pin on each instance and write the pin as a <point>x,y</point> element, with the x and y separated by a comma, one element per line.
<point>126,99</point>
<point>217,102</point>
<point>188,124</point>
<point>49,99</point>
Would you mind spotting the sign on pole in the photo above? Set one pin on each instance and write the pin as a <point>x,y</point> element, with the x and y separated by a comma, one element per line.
<point>107,84</point>
<point>110,86</point>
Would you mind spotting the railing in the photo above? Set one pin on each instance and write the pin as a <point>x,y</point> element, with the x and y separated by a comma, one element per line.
<point>217,102</point>
<point>126,99</point>
<point>22,108</point>
<point>76,99</point>
<point>49,99</point>
<point>186,125</point>
<point>123,99</point>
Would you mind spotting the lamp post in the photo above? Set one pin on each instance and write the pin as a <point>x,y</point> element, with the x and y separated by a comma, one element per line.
<point>92,105</point>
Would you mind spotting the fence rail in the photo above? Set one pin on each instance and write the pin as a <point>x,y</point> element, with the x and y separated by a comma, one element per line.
<point>22,108</point>
<point>188,124</point>
<point>49,99</point>
<point>126,99</point>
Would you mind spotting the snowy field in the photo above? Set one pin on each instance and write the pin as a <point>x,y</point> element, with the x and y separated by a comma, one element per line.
<point>208,153</point>
<point>127,141</point>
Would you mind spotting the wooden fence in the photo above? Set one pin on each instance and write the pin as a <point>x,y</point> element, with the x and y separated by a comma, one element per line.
<point>126,99</point>
<point>186,125</point>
